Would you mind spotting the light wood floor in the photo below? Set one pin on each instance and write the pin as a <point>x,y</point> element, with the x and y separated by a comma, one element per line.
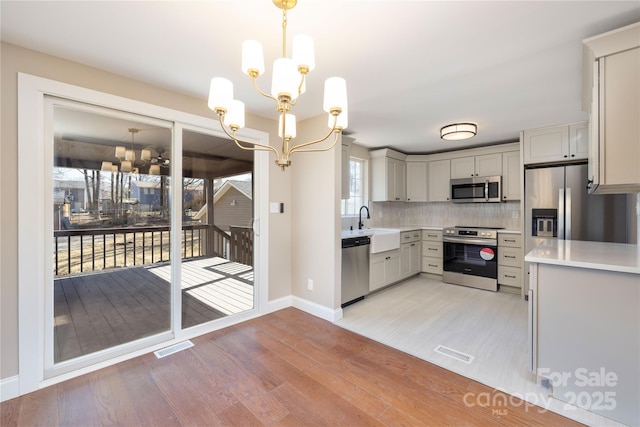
<point>287,368</point>
<point>101,310</point>
<point>420,314</point>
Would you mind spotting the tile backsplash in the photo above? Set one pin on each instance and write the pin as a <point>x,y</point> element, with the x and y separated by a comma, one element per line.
<point>445,214</point>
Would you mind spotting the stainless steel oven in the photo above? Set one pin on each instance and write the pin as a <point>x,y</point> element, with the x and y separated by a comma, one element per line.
<point>471,257</point>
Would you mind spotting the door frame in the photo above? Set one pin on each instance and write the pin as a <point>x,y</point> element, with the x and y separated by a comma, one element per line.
<point>35,218</point>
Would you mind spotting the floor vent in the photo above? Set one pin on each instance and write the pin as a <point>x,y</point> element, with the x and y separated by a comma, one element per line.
<point>173,349</point>
<point>454,354</point>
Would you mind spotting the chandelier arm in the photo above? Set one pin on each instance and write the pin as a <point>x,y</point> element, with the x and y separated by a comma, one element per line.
<point>305,144</point>
<point>256,145</point>
<point>304,75</point>
<point>255,86</point>
<point>310,150</point>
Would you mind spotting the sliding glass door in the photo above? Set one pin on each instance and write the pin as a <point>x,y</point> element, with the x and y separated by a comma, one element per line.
<point>217,205</point>
<point>117,199</point>
<point>111,229</point>
<point>114,285</point>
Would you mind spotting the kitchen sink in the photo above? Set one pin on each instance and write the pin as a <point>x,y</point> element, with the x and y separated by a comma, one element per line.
<point>384,239</point>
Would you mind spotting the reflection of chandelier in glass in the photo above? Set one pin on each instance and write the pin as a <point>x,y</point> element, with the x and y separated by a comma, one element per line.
<point>287,83</point>
<point>127,157</point>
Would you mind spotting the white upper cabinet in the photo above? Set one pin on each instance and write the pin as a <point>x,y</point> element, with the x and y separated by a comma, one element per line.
<point>416,181</point>
<point>556,143</point>
<point>511,175</point>
<point>484,165</point>
<point>439,180</point>
<point>612,67</point>
<point>388,176</point>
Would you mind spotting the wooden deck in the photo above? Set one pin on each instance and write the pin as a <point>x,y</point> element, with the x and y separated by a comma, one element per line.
<point>100,310</point>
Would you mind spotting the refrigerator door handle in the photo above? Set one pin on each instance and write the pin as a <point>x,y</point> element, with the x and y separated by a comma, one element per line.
<point>486,190</point>
<point>567,216</point>
<point>561,216</point>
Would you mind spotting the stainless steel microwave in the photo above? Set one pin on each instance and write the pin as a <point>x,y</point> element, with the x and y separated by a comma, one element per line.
<point>478,189</point>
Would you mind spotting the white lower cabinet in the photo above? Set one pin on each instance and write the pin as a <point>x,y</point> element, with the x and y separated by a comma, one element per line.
<point>432,251</point>
<point>510,262</point>
<point>410,250</point>
<point>384,269</point>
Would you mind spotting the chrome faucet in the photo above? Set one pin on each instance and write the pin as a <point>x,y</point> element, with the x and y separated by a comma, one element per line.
<point>360,224</point>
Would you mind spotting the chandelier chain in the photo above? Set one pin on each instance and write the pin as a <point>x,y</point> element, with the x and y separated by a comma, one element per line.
<point>284,28</point>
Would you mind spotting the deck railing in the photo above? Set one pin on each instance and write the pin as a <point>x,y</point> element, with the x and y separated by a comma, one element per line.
<point>241,245</point>
<point>86,250</point>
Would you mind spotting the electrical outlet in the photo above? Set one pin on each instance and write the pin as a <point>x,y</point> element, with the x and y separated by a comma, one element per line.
<point>310,284</point>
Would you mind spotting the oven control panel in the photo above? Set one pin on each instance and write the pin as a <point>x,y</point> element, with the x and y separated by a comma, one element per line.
<point>477,232</point>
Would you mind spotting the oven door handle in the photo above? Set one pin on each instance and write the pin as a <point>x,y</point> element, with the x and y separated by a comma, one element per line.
<point>484,242</point>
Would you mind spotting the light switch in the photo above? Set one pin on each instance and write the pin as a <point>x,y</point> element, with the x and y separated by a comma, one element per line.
<point>276,207</point>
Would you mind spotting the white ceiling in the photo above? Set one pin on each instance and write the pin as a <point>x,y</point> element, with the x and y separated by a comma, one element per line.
<point>411,66</point>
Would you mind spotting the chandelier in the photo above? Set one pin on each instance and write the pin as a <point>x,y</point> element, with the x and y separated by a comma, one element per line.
<point>288,82</point>
<point>127,158</point>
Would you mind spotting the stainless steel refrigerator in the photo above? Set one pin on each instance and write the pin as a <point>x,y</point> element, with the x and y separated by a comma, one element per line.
<point>557,205</point>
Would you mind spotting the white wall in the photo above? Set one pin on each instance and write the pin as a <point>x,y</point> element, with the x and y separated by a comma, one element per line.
<point>315,244</point>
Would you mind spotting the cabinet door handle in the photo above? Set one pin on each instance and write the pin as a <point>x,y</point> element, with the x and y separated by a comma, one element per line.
<point>510,240</point>
<point>431,249</point>
<point>509,276</point>
<point>432,265</point>
<point>510,256</point>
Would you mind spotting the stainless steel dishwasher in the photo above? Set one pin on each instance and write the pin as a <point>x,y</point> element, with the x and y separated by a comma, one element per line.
<point>355,269</point>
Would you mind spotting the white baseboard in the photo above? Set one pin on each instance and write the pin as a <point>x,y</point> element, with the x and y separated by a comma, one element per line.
<point>9,388</point>
<point>279,304</point>
<point>310,307</point>
<point>317,310</point>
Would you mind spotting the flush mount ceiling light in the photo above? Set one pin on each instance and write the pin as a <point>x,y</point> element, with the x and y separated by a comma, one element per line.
<point>287,83</point>
<point>458,131</point>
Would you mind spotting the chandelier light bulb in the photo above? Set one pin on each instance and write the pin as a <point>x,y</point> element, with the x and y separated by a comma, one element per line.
<point>154,170</point>
<point>106,167</point>
<point>120,151</point>
<point>145,155</point>
<point>342,122</point>
<point>252,57</point>
<point>235,115</point>
<point>335,94</point>
<point>289,126</point>
<point>126,166</point>
<point>303,52</point>
<point>285,79</point>
<point>114,169</point>
<point>130,155</point>
<point>220,94</point>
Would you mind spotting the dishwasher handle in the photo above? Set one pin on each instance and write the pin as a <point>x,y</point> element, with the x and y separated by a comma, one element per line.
<point>353,242</point>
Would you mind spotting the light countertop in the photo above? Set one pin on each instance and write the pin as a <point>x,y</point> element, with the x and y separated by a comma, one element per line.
<point>370,231</point>
<point>618,257</point>
<point>509,231</point>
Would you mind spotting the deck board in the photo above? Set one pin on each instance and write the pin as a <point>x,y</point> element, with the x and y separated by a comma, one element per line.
<point>100,310</point>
